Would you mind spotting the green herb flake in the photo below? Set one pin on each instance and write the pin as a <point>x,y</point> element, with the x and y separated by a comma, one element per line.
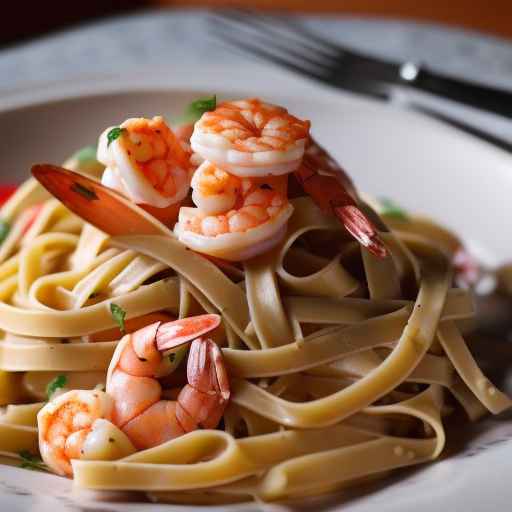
<point>119,316</point>
<point>114,134</point>
<point>31,461</point>
<point>85,192</point>
<point>85,154</point>
<point>5,227</point>
<point>58,383</point>
<point>197,108</point>
<point>391,209</point>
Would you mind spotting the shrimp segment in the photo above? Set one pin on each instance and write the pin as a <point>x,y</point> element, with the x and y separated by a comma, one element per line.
<point>64,424</point>
<point>138,409</point>
<point>214,190</point>
<point>251,138</point>
<point>146,162</point>
<point>97,425</point>
<point>237,218</point>
<point>331,189</point>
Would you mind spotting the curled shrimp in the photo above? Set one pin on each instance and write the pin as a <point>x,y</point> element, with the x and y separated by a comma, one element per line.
<point>77,425</point>
<point>96,425</point>
<point>146,162</point>
<point>236,218</point>
<point>333,192</point>
<point>251,138</point>
<point>132,382</point>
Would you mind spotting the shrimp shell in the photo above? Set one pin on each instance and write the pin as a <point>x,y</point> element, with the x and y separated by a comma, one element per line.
<point>139,179</point>
<point>249,138</point>
<point>234,246</point>
<point>70,414</point>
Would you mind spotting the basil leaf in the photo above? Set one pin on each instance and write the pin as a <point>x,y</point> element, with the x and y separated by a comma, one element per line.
<point>58,383</point>
<point>114,134</point>
<point>391,209</point>
<point>119,315</point>
<point>5,227</point>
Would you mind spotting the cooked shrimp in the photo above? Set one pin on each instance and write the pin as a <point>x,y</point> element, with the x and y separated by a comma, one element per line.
<point>145,162</point>
<point>214,190</point>
<point>76,425</point>
<point>184,132</point>
<point>236,218</point>
<point>132,382</point>
<point>105,426</point>
<point>332,190</point>
<point>251,138</point>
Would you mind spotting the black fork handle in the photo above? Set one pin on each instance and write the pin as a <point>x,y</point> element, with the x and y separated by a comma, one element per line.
<point>471,94</point>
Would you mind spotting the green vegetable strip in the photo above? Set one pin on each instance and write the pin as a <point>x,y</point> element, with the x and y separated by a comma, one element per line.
<point>391,209</point>
<point>57,383</point>
<point>5,227</point>
<point>119,316</point>
<point>30,461</point>
<point>114,134</point>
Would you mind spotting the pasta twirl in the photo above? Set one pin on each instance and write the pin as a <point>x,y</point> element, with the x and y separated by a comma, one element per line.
<point>343,365</point>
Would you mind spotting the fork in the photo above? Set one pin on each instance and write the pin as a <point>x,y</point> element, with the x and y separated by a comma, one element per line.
<point>289,44</point>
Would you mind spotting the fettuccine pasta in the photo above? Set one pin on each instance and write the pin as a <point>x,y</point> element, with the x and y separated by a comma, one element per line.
<point>343,365</point>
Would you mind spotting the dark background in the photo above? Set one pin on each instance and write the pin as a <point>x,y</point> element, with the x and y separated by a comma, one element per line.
<point>23,21</point>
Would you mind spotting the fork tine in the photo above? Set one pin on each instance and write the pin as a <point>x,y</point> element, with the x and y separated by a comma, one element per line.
<point>274,45</point>
<point>273,26</point>
<point>301,30</point>
<point>298,29</point>
<point>255,51</point>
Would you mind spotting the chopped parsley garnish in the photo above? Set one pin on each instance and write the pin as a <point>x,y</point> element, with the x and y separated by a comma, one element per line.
<point>197,108</point>
<point>5,227</point>
<point>391,209</point>
<point>31,461</point>
<point>89,194</point>
<point>58,383</point>
<point>119,315</point>
<point>114,134</point>
<point>202,105</point>
<point>85,154</point>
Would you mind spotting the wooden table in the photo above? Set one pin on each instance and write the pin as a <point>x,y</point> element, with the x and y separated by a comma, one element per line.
<point>493,16</point>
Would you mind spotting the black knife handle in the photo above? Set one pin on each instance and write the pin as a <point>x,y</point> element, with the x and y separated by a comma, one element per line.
<point>472,94</point>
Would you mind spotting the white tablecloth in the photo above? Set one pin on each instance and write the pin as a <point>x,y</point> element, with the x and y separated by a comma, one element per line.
<point>156,39</point>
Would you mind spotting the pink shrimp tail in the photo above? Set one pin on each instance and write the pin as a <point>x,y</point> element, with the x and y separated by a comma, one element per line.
<point>205,369</point>
<point>173,334</point>
<point>139,410</point>
<point>331,189</point>
<point>202,402</point>
<point>358,225</point>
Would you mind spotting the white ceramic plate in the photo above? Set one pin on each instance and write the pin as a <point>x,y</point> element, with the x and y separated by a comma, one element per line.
<point>425,166</point>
